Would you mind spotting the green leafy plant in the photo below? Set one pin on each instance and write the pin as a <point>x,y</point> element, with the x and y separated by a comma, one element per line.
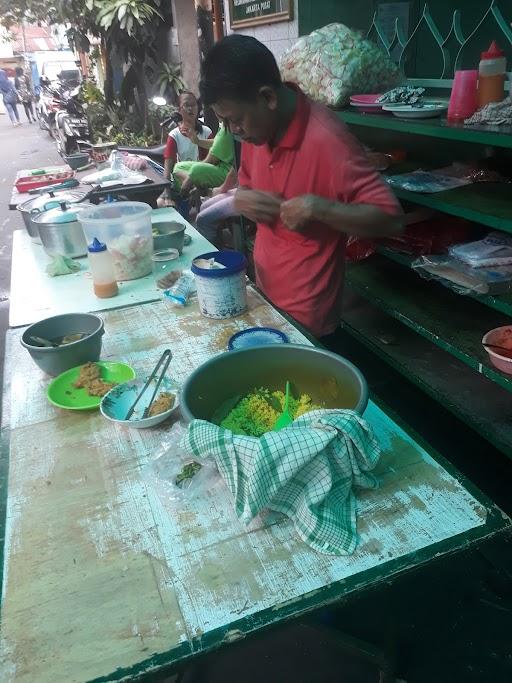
<point>169,81</point>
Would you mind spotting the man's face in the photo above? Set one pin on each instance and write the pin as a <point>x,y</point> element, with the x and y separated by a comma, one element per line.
<point>254,121</point>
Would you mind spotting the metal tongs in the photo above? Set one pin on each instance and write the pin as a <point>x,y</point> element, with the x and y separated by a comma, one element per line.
<point>165,359</point>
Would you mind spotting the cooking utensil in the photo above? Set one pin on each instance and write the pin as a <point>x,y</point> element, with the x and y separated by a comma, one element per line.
<point>164,360</point>
<point>171,234</point>
<point>66,185</point>
<point>55,360</point>
<point>63,394</point>
<point>39,341</point>
<point>48,200</point>
<point>496,347</point>
<point>60,230</point>
<point>285,419</point>
<point>330,380</point>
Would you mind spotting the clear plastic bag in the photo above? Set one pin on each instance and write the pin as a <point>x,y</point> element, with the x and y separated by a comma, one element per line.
<point>115,173</point>
<point>178,475</point>
<point>493,250</point>
<point>464,279</point>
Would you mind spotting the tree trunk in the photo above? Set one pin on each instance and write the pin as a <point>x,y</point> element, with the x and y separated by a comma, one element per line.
<point>205,38</point>
<point>108,87</point>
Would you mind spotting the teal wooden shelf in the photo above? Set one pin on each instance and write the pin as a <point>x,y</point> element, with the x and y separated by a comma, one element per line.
<point>446,380</point>
<point>486,203</point>
<point>501,303</point>
<point>454,323</point>
<point>497,136</point>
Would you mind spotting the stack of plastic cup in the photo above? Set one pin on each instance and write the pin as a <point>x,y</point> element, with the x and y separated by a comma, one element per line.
<point>463,100</point>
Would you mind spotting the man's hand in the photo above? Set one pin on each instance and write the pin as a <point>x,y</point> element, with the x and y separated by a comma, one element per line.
<point>296,213</point>
<point>260,207</point>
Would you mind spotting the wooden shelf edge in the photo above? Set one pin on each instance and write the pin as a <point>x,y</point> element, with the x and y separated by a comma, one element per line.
<point>496,136</point>
<point>503,303</point>
<point>384,301</point>
<point>495,427</point>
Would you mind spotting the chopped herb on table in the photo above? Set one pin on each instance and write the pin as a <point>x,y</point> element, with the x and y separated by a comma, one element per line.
<point>188,472</point>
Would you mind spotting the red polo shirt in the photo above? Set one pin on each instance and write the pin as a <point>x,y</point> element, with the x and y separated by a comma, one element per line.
<point>302,273</point>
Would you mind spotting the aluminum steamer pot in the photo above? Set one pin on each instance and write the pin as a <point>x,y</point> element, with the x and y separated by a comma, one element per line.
<point>61,232</point>
<point>32,207</point>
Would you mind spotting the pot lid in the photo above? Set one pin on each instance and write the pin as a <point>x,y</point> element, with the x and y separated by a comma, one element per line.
<point>64,213</point>
<point>51,199</point>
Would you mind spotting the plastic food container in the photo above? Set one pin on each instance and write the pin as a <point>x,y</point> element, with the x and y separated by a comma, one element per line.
<point>125,227</point>
<point>501,336</point>
<point>221,290</point>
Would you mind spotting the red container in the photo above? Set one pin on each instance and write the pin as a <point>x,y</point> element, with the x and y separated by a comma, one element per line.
<point>463,100</point>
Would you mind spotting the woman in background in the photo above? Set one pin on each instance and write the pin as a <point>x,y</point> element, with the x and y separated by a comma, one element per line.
<point>23,85</point>
<point>10,98</point>
<point>180,146</point>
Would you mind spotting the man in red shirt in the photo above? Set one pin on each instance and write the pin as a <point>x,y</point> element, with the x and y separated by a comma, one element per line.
<point>303,179</point>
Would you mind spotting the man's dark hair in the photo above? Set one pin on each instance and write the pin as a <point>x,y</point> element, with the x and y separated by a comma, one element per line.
<point>236,68</point>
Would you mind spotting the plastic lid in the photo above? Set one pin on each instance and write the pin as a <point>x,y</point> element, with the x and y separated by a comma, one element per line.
<point>96,245</point>
<point>493,52</point>
<point>257,336</point>
<point>65,213</point>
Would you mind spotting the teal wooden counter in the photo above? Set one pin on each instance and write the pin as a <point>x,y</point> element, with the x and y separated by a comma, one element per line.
<point>105,578</point>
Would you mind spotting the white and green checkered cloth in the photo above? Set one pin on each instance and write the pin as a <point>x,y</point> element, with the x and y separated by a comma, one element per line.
<point>307,471</point>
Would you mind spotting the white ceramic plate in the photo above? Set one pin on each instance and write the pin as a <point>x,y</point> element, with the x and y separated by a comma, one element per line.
<point>412,111</point>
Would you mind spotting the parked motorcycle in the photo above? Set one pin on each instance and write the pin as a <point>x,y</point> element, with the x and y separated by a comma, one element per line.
<point>48,105</point>
<point>71,124</point>
<point>156,153</point>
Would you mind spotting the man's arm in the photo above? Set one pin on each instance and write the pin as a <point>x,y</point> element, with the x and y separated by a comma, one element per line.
<point>361,220</point>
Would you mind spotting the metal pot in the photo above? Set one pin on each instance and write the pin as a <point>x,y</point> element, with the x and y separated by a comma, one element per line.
<point>32,207</point>
<point>330,380</point>
<point>171,234</point>
<point>61,232</point>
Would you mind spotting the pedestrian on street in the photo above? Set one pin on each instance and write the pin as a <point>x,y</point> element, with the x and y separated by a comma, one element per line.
<point>10,98</point>
<point>23,85</point>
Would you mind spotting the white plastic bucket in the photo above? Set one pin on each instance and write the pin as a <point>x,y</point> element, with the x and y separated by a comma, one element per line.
<point>222,292</point>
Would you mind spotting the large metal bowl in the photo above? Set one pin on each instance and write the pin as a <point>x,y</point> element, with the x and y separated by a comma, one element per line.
<point>330,380</point>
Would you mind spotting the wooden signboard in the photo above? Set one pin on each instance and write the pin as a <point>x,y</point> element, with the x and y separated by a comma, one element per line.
<point>252,12</point>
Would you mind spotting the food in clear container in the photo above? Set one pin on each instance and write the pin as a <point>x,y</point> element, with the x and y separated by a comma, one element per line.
<point>131,255</point>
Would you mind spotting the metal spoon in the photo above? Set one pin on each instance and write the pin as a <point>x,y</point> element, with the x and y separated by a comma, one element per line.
<point>40,341</point>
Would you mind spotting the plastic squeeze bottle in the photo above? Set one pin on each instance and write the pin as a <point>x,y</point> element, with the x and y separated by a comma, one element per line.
<point>102,269</point>
<point>491,75</point>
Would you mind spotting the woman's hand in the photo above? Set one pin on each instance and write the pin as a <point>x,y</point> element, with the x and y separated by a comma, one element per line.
<point>260,207</point>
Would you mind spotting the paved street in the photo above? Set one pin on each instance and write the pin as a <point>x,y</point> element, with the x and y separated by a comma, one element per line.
<point>23,147</point>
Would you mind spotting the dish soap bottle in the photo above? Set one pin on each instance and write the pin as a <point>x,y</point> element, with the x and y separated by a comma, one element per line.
<point>102,269</point>
<point>491,75</point>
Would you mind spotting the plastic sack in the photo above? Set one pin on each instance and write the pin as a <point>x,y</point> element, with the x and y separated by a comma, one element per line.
<point>432,236</point>
<point>493,250</point>
<point>463,279</point>
<point>116,173</point>
<point>358,249</point>
<point>335,62</point>
<point>426,181</point>
<point>175,474</point>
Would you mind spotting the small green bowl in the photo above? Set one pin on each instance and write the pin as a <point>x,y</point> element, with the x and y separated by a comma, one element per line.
<point>63,394</point>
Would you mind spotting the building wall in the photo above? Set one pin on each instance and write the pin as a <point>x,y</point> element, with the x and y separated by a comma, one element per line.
<point>277,37</point>
<point>184,13</point>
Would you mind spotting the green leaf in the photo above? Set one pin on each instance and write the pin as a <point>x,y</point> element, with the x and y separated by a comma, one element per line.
<point>121,12</point>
